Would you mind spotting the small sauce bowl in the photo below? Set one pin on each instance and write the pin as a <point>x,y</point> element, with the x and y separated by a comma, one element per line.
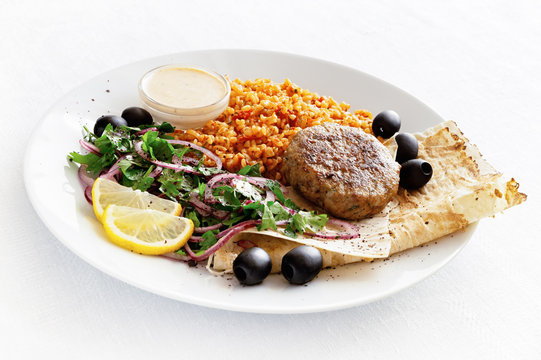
<point>185,96</point>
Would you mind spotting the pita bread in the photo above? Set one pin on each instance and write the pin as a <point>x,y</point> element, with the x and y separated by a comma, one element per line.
<point>464,188</point>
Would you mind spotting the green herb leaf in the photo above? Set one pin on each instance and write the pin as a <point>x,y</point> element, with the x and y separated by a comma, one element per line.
<point>130,171</point>
<point>208,240</point>
<point>274,186</point>
<point>226,196</point>
<point>309,221</point>
<point>248,190</point>
<point>254,206</point>
<point>290,231</point>
<point>267,220</point>
<point>94,162</point>
<point>192,215</point>
<point>158,149</point>
<point>278,211</point>
<point>290,204</point>
<point>144,183</point>
<point>250,170</point>
<point>233,220</point>
<point>201,188</point>
<point>169,189</point>
<point>165,127</point>
<point>104,144</point>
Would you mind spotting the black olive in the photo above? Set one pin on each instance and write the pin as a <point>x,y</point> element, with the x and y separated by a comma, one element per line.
<point>136,116</point>
<point>301,264</point>
<point>386,124</point>
<point>252,266</point>
<point>102,122</point>
<point>408,147</point>
<point>415,174</point>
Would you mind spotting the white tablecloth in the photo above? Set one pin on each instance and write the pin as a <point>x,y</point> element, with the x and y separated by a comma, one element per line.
<point>477,62</point>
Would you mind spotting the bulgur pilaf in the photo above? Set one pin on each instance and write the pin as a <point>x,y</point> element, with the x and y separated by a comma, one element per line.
<point>261,119</point>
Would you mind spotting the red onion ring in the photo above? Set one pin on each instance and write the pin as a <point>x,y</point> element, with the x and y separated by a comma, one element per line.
<point>222,241</point>
<point>175,256</point>
<point>185,160</point>
<point>207,152</point>
<point>84,178</point>
<point>88,194</point>
<point>156,172</point>
<point>114,170</point>
<point>201,230</point>
<point>196,239</point>
<point>89,147</point>
<point>139,149</point>
<point>206,210</point>
<point>215,180</point>
<point>270,196</point>
<point>261,181</point>
<point>143,132</point>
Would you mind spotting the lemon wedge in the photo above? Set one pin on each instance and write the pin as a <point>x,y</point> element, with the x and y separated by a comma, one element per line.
<point>146,231</point>
<point>106,192</point>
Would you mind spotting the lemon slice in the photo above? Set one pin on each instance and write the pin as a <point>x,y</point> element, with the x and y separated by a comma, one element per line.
<point>106,192</point>
<point>146,231</point>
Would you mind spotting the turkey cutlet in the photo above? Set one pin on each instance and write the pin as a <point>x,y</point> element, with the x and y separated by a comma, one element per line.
<point>342,169</point>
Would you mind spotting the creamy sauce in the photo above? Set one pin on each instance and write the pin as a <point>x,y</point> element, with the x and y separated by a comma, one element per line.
<point>183,87</point>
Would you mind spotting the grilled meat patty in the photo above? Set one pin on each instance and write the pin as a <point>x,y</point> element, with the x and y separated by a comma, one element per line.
<point>342,169</point>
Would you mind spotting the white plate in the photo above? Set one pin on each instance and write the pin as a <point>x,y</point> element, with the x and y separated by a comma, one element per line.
<point>52,185</point>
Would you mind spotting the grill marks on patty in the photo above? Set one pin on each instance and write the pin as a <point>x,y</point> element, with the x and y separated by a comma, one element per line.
<point>342,169</point>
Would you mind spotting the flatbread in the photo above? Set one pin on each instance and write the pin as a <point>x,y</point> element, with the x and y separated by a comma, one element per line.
<point>464,188</point>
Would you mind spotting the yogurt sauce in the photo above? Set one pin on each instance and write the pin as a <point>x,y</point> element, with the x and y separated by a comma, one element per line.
<point>183,87</point>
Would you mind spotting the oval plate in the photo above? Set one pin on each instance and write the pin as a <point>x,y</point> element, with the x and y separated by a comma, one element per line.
<point>53,188</point>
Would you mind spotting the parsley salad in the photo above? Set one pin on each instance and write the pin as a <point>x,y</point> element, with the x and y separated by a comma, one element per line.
<point>220,204</point>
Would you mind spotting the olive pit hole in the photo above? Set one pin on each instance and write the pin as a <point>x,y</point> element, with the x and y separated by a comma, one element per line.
<point>427,168</point>
<point>287,271</point>
<point>240,273</point>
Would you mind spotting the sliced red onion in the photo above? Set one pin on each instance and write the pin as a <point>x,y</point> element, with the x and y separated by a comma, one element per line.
<point>156,172</point>
<point>84,178</point>
<point>225,178</point>
<point>207,152</point>
<point>289,210</point>
<point>111,174</point>
<point>270,196</point>
<point>216,179</point>
<point>189,160</point>
<point>206,210</point>
<point>89,147</point>
<point>114,170</point>
<point>261,181</point>
<point>88,194</point>
<point>139,149</point>
<point>185,160</point>
<point>175,256</point>
<point>202,230</point>
<point>143,132</point>
<point>196,239</point>
<point>222,241</point>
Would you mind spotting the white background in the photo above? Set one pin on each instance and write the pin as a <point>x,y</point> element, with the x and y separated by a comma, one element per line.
<point>476,62</point>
